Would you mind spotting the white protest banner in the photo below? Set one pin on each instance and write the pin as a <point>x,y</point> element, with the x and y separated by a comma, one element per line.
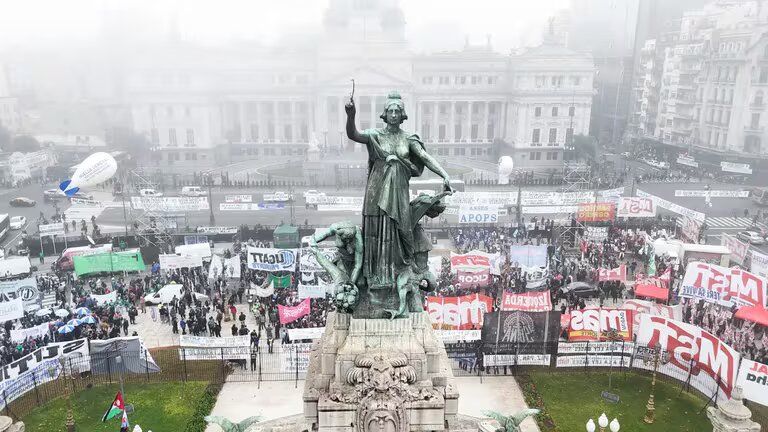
<point>533,198</point>
<point>53,229</point>
<point>738,248</point>
<point>593,361</point>
<point>232,268</point>
<point>238,198</point>
<point>331,201</point>
<point>595,347</point>
<point>759,264</point>
<point>173,261</point>
<point>170,204</point>
<point>753,379</point>
<point>517,359</point>
<point>632,207</point>
<point>214,348</point>
<point>11,310</point>
<point>564,209</point>
<point>688,161</point>
<point>612,193</point>
<point>596,234</point>
<point>305,333</point>
<point>687,345</point>
<point>295,357</point>
<point>534,301</point>
<point>740,168</point>
<point>453,336</point>
<point>217,230</point>
<point>277,197</point>
<point>312,291</point>
<point>20,335</point>
<point>435,265</point>
<point>235,207</point>
<point>24,289</point>
<point>269,259</point>
<point>498,199</point>
<point>104,299</point>
<point>76,349</point>
<point>480,214</point>
<point>265,291</point>
<point>691,228</point>
<point>308,263</point>
<point>712,194</point>
<point>660,202</point>
<point>202,250</point>
<point>216,268</point>
<point>724,286</point>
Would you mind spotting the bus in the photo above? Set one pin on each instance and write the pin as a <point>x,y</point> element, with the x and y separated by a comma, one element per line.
<point>760,196</point>
<point>5,225</point>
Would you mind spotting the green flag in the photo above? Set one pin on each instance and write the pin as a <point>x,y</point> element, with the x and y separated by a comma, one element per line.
<point>281,281</point>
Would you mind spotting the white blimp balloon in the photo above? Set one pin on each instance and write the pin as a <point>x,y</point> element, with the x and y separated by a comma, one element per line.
<point>96,168</point>
<point>506,167</point>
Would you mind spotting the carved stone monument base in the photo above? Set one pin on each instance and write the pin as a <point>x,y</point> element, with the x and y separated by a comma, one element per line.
<point>379,375</point>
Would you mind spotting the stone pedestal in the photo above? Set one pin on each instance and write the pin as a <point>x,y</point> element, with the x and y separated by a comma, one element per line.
<point>378,375</point>
<point>732,415</point>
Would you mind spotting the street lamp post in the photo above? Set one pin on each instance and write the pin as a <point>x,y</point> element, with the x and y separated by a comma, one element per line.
<point>655,356</point>
<point>602,422</point>
<point>211,219</point>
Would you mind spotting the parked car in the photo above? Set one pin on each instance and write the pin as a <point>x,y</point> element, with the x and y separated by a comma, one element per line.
<point>18,222</point>
<point>167,293</point>
<point>193,191</point>
<point>150,193</point>
<point>581,289</point>
<point>22,202</point>
<point>751,237</point>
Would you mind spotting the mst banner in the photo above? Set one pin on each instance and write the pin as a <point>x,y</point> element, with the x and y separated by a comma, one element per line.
<point>688,346</point>
<point>520,332</point>
<point>632,207</point>
<point>617,274</point>
<point>458,313</point>
<point>272,260</point>
<point>724,286</point>
<point>535,301</point>
<point>592,324</point>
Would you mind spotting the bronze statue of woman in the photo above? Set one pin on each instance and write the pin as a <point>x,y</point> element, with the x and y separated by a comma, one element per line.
<point>394,156</point>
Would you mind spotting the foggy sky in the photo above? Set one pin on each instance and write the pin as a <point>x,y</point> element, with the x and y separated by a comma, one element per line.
<point>35,23</point>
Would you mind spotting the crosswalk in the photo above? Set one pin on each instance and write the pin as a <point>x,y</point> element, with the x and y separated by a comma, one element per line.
<point>49,299</point>
<point>729,222</point>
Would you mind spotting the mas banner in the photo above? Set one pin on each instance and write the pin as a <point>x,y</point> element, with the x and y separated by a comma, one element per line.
<point>617,274</point>
<point>632,207</point>
<point>458,313</point>
<point>272,260</point>
<point>688,345</point>
<point>173,261</point>
<point>535,301</point>
<point>738,248</point>
<point>724,286</point>
<point>468,280</point>
<point>596,212</point>
<point>520,332</point>
<point>24,289</point>
<point>594,324</point>
<point>129,261</point>
<point>289,314</point>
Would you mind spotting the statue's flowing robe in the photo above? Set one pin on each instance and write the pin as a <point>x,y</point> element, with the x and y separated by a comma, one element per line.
<point>388,242</point>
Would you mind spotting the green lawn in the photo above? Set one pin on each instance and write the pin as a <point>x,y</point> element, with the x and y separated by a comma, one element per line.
<point>159,407</point>
<point>572,398</point>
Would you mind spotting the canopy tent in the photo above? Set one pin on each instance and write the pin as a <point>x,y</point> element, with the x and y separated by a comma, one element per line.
<point>651,291</point>
<point>756,314</point>
<point>286,237</point>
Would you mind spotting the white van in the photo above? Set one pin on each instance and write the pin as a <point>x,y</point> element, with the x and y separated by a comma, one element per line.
<point>193,191</point>
<point>150,193</point>
<point>167,293</point>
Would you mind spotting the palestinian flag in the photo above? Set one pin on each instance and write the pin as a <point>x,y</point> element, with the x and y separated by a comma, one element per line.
<point>124,423</point>
<point>115,409</point>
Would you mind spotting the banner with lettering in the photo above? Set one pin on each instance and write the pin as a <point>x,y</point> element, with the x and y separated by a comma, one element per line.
<point>470,261</point>
<point>691,350</point>
<point>596,212</point>
<point>468,280</point>
<point>20,335</point>
<point>636,207</point>
<point>312,291</point>
<point>617,274</point>
<point>458,313</point>
<point>173,261</point>
<point>289,314</point>
<point>534,301</point>
<point>753,379</point>
<point>594,324</point>
<point>759,264</point>
<point>724,286</point>
<point>265,291</point>
<point>520,332</point>
<point>268,259</point>
<point>691,228</point>
<point>737,248</point>
<point>11,309</point>
<point>25,289</point>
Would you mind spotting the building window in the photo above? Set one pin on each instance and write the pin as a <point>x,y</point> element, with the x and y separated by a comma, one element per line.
<point>554,111</point>
<point>425,130</point>
<point>459,151</point>
<point>571,111</point>
<point>254,132</point>
<point>537,112</point>
<point>491,132</point>
<point>426,80</point>
<point>755,123</point>
<point>287,133</point>
<point>190,137</point>
<point>575,81</point>
<point>540,81</point>
<point>557,81</point>
<point>444,80</point>
<point>187,111</point>
<point>535,156</point>
<point>443,108</point>
<point>172,137</point>
<point>758,98</point>
<point>304,133</point>
<point>552,136</point>
<point>457,132</point>
<point>535,138</point>
<point>271,130</point>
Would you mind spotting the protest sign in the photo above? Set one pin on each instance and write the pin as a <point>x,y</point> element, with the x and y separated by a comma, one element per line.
<point>214,348</point>
<point>596,212</point>
<point>593,324</point>
<point>242,198</point>
<point>294,357</point>
<point>290,314</point>
<point>11,309</point>
<point>753,379</point>
<point>20,335</point>
<point>53,229</point>
<point>217,230</point>
<point>631,207</point>
<point>104,299</point>
<point>24,289</point>
<point>305,333</point>
<point>724,286</point>
<point>536,301</point>
<point>617,274</point>
<point>458,313</point>
<point>269,259</point>
<point>759,264</point>
<point>471,261</point>
<point>737,248</point>
<point>468,280</point>
<point>478,214</point>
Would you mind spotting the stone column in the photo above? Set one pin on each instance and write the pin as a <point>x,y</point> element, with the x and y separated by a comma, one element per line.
<point>732,415</point>
<point>468,123</point>
<point>278,133</point>
<point>419,122</point>
<point>452,126</point>
<point>243,129</point>
<point>293,121</point>
<point>484,126</point>
<point>436,119</point>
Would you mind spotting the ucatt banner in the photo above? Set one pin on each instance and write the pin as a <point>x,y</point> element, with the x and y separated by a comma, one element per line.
<point>737,248</point>
<point>691,350</point>
<point>596,212</point>
<point>534,301</point>
<point>268,259</point>
<point>459,313</point>
<point>636,207</point>
<point>594,324</point>
<point>724,286</point>
<point>290,314</point>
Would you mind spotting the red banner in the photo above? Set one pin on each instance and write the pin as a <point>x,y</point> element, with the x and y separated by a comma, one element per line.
<point>617,274</point>
<point>688,346</point>
<point>467,280</point>
<point>292,313</point>
<point>534,301</point>
<point>596,212</point>
<point>592,324</point>
<point>724,286</point>
<point>473,260</point>
<point>459,313</point>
